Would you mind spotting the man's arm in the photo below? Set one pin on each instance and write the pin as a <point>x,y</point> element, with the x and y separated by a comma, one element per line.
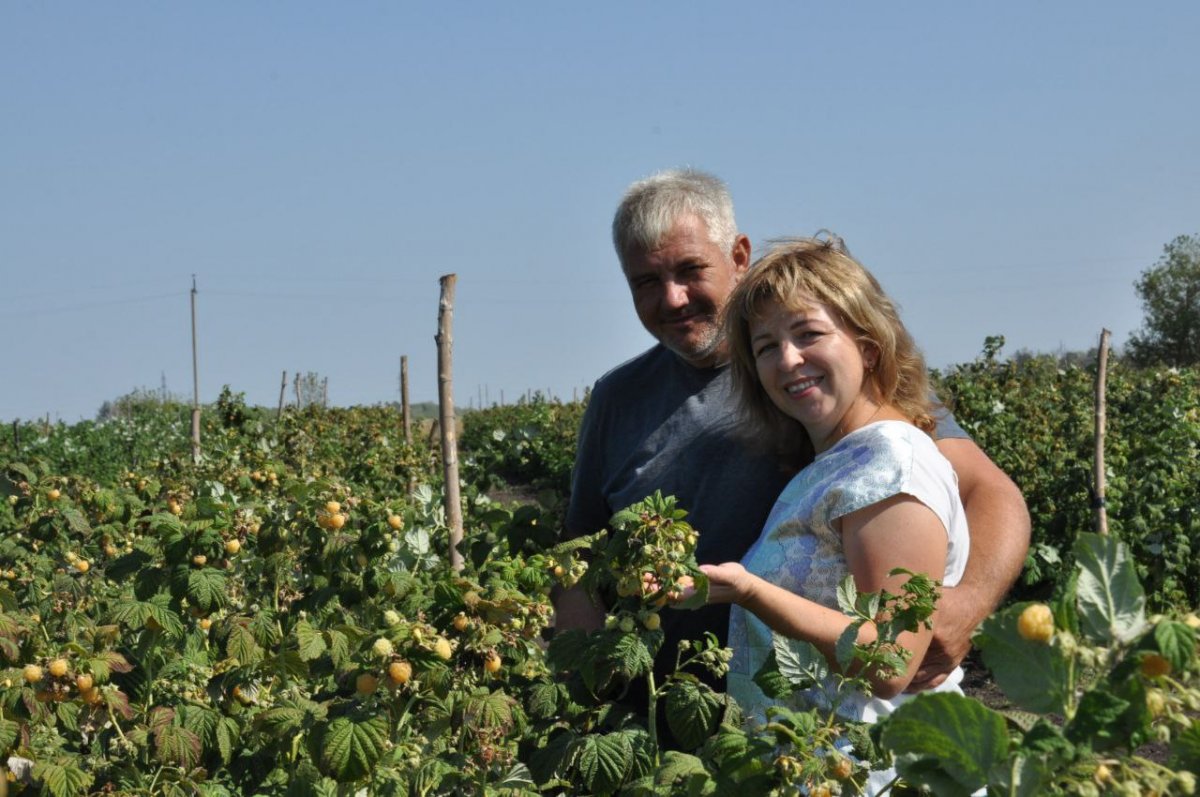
<point>999,527</point>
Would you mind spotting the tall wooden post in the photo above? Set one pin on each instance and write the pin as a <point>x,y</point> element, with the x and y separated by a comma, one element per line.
<point>325,392</point>
<point>296,385</point>
<point>17,436</point>
<point>445,346</point>
<point>1101,417</point>
<point>195,383</point>
<point>282,390</point>
<point>405,409</point>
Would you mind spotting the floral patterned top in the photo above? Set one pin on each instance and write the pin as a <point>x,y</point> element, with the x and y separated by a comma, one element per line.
<point>800,547</point>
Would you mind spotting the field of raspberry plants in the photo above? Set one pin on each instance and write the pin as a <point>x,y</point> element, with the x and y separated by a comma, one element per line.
<point>282,619</point>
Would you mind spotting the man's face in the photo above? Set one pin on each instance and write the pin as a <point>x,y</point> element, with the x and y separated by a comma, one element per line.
<point>680,287</point>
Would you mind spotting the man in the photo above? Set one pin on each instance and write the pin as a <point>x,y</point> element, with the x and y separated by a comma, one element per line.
<point>666,420</point>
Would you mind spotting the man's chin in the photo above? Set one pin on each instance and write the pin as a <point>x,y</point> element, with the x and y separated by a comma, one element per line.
<point>702,353</point>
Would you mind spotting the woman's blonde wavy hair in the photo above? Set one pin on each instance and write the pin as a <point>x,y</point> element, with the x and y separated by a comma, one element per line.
<point>796,273</point>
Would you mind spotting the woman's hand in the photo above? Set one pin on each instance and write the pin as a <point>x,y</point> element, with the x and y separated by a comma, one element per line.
<point>727,583</point>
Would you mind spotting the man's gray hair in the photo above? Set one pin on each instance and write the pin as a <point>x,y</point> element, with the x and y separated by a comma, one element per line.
<point>651,207</point>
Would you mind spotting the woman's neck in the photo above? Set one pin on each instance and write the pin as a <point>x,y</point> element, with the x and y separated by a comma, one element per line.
<point>862,414</point>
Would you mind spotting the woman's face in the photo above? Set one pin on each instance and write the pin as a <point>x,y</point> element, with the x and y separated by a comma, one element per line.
<point>813,369</point>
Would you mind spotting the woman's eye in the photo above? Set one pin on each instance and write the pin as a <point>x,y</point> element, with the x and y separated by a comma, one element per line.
<point>764,349</point>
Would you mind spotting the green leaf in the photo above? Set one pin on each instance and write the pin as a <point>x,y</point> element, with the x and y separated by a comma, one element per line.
<point>68,715</point>
<point>126,566</point>
<point>228,732</point>
<point>771,681</point>
<point>1020,776</point>
<point>8,735</point>
<point>556,758</point>
<point>280,722</point>
<point>847,595</point>
<point>62,780</point>
<point>263,626</point>
<point>847,644</point>
<point>1112,605</point>
<point>429,777</point>
<point>566,650</point>
<point>1185,749</point>
<point>241,645</point>
<point>76,521</point>
<point>339,648</point>
<point>1104,718</point>
<point>493,710</point>
<point>171,625</point>
<point>206,588</point>
<point>679,767</point>
<point>947,742</point>
<point>800,662</point>
<point>1031,674</point>
<point>630,656</point>
<point>311,642</point>
<point>604,761</point>
<point>103,665</point>
<point>177,745</point>
<point>542,700</point>
<point>200,721</point>
<point>699,594</point>
<point>303,780</point>
<point>693,712</point>
<point>349,747</point>
<point>517,777</point>
<point>1176,642</point>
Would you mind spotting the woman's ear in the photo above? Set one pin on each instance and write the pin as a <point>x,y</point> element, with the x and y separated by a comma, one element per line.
<point>870,355</point>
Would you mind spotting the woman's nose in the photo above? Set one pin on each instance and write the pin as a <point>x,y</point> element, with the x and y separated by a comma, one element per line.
<point>790,355</point>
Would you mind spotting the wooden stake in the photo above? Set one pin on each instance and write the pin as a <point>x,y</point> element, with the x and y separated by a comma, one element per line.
<point>445,346</point>
<point>325,392</point>
<point>296,384</point>
<point>282,390</point>
<point>195,383</point>
<point>1101,417</point>
<point>405,409</point>
<point>17,436</point>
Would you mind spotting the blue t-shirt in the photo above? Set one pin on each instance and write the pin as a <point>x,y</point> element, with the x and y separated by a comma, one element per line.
<point>800,548</point>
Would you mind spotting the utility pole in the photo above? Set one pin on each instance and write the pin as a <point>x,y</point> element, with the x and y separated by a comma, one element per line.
<point>405,410</point>
<point>445,346</point>
<point>195,383</point>
<point>282,390</point>
<point>1099,486</point>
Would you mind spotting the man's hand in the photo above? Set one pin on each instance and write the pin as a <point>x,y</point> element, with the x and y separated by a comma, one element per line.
<point>574,609</point>
<point>953,624</point>
<point>999,528</point>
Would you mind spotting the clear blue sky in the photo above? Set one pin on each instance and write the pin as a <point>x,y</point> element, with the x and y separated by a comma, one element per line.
<point>1005,168</point>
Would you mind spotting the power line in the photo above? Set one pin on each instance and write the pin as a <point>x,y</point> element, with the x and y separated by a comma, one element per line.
<point>29,312</point>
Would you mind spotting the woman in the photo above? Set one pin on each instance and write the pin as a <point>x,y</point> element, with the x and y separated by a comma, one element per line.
<point>824,367</point>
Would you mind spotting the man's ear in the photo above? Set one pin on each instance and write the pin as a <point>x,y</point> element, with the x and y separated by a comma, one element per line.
<point>741,254</point>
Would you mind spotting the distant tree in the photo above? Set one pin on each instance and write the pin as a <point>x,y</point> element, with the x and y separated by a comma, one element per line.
<point>1170,294</point>
<point>138,402</point>
<point>312,389</point>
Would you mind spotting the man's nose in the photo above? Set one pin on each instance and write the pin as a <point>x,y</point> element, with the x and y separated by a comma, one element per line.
<point>675,295</point>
